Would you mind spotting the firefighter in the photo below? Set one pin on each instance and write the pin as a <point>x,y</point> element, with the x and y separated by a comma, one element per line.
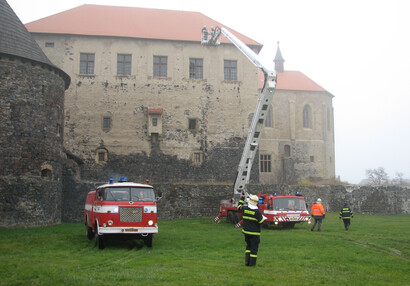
<point>252,219</point>
<point>346,213</point>
<point>318,214</point>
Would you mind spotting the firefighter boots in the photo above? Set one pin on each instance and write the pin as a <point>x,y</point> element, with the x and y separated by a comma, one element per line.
<point>252,261</point>
<point>247,258</point>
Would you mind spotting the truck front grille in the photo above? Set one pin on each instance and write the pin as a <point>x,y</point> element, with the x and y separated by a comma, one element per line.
<point>130,214</point>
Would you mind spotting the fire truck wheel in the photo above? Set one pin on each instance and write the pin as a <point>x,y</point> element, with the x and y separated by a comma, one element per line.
<point>99,240</point>
<point>148,240</point>
<point>89,232</point>
<point>237,217</point>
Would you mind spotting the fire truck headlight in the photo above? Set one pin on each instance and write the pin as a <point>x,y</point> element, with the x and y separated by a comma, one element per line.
<point>110,222</point>
<point>115,210</point>
<point>150,222</point>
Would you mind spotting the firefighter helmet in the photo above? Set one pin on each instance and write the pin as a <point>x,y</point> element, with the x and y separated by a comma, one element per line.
<point>253,199</point>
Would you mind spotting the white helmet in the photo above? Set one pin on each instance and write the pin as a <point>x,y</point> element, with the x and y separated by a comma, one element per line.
<point>318,201</point>
<point>253,200</point>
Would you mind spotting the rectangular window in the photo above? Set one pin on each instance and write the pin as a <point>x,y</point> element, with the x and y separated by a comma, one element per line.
<point>197,157</point>
<point>123,64</point>
<point>230,70</point>
<point>154,121</point>
<point>49,44</point>
<point>87,63</point>
<point>106,123</point>
<point>196,68</point>
<point>160,66</point>
<point>265,161</point>
<point>312,159</point>
<point>192,124</point>
<point>101,156</point>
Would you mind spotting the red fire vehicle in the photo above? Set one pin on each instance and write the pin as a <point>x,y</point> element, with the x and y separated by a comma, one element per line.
<point>282,210</point>
<point>125,209</point>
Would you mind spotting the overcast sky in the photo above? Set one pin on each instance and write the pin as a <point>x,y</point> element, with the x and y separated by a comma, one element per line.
<point>358,50</point>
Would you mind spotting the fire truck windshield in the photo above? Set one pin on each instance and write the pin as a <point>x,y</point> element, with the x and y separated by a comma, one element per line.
<point>119,194</point>
<point>289,204</point>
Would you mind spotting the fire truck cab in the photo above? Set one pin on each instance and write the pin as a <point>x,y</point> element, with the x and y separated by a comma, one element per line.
<point>123,209</point>
<point>285,210</point>
<point>279,210</point>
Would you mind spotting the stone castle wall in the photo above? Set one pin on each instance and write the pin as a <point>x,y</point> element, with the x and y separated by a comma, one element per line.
<point>202,200</point>
<point>31,143</point>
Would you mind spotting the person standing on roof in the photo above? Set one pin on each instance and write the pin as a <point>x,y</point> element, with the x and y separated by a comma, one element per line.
<point>318,214</point>
<point>346,213</point>
<point>252,220</point>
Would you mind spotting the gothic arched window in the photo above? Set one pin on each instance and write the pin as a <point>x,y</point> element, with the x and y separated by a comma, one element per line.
<point>269,117</point>
<point>307,117</point>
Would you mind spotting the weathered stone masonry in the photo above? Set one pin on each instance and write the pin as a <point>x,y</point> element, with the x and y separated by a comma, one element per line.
<point>31,122</point>
<point>202,200</point>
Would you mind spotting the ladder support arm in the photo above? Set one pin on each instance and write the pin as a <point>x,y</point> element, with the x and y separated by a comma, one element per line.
<point>262,108</point>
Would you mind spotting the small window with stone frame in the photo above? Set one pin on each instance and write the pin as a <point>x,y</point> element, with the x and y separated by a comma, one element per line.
<point>58,130</point>
<point>106,123</point>
<point>195,68</point>
<point>265,163</point>
<point>269,117</point>
<point>87,61</point>
<point>197,158</point>
<point>192,124</point>
<point>307,117</point>
<point>101,155</point>
<point>123,64</point>
<point>230,70</point>
<point>160,66</point>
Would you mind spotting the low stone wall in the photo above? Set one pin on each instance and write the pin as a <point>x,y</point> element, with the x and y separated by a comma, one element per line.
<point>28,201</point>
<point>186,200</point>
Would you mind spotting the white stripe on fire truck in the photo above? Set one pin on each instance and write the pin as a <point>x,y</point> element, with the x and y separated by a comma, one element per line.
<point>115,209</point>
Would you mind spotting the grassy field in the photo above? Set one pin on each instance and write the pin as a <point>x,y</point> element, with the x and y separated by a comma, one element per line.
<point>375,251</point>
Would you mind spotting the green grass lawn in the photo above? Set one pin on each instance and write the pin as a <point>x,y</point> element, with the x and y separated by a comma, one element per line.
<point>375,251</point>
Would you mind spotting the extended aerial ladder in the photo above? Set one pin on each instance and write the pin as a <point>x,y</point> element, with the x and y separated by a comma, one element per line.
<point>262,108</point>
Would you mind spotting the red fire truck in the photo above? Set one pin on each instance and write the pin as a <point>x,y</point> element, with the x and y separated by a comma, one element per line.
<point>281,210</point>
<point>125,209</point>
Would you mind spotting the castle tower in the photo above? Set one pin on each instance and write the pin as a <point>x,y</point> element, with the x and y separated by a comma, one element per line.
<point>31,123</point>
<point>279,61</point>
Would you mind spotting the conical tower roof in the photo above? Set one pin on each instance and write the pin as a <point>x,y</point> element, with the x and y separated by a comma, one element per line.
<point>17,41</point>
<point>278,56</point>
<point>279,61</point>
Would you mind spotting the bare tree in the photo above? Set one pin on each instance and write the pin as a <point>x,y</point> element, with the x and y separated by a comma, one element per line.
<point>377,176</point>
<point>399,179</point>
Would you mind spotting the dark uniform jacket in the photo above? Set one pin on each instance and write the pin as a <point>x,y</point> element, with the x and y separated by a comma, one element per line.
<point>252,219</point>
<point>345,213</point>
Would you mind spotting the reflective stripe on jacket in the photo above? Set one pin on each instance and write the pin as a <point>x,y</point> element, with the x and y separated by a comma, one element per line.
<point>345,213</point>
<point>317,209</point>
<point>252,218</point>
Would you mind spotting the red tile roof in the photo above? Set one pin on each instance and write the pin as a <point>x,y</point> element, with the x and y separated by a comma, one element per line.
<point>155,110</point>
<point>293,80</point>
<point>100,20</point>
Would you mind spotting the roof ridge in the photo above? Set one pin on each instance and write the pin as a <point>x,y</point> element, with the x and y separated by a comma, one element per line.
<point>133,22</point>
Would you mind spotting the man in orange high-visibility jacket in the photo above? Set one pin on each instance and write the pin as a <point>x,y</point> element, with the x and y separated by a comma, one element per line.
<point>318,213</point>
